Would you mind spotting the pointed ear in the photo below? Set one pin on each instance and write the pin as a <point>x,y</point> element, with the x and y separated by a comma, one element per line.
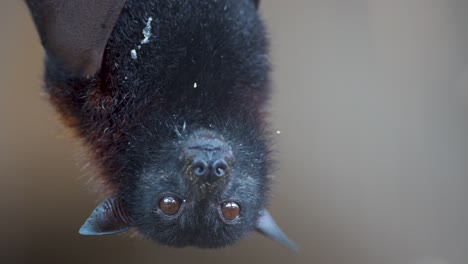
<point>75,33</point>
<point>257,3</point>
<point>268,227</point>
<point>109,217</point>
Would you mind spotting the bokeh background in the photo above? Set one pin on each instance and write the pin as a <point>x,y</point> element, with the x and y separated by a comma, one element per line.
<point>371,98</point>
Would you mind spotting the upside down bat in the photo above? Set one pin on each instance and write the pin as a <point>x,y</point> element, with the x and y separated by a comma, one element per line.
<point>169,97</point>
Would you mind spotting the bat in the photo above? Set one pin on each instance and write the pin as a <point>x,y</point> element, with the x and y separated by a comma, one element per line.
<point>169,97</point>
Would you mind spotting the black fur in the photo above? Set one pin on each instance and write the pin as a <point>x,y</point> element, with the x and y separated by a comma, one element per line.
<point>136,115</point>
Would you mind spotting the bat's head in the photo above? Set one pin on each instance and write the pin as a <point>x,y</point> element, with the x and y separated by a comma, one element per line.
<point>205,192</point>
<point>205,189</point>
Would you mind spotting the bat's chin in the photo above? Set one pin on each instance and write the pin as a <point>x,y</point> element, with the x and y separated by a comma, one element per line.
<point>204,242</point>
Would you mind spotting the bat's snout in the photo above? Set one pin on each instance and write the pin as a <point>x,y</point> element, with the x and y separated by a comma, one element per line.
<point>207,158</point>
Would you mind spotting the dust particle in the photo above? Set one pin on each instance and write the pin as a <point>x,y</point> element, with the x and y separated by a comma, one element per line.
<point>133,53</point>
<point>147,31</point>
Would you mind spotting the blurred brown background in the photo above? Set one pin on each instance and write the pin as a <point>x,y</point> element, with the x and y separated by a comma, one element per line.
<point>371,98</point>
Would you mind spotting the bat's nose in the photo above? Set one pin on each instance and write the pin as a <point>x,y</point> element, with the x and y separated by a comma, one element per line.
<point>211,169</point>
<point>207,158</point>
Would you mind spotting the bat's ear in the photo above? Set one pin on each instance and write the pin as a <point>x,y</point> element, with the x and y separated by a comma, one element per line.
<point>256,2</point>
<point>268,227</point>
<point>75,33</point>
<point>109,217</point>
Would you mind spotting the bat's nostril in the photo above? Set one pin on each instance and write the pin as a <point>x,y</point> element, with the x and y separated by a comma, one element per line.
<point>219,167</point>
<point>212,170</point>
<point>200,168</point>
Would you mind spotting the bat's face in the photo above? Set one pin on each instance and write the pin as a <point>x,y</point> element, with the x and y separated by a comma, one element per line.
<point>200,187</point>
<point>203,190</point>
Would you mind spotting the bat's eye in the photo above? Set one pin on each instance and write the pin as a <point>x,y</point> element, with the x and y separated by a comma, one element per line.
<point>169,205</point>
<point>230,210</point>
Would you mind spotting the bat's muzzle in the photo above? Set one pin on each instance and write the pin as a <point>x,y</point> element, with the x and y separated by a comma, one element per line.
<point>207,158</point>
